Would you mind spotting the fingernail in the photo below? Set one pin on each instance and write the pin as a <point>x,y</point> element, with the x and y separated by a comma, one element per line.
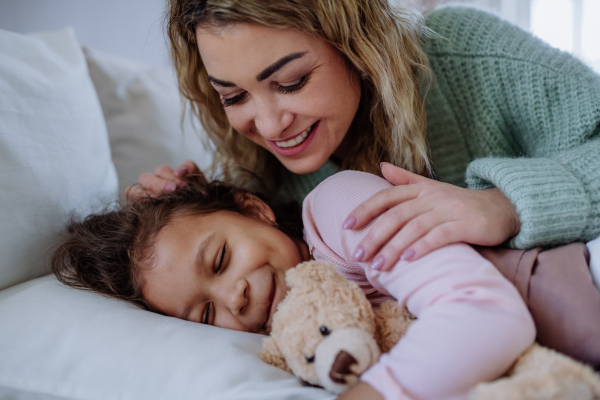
<point>349,222</point>
<point>378,263</point>
<point>181,171</point>
<point>407,255</point>
<point>181,184</point>
<point>152,195</point>
<point>360,253</point>
<point>169,187</point>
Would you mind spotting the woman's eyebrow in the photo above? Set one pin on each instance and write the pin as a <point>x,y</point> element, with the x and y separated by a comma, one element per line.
<point>277,65</point>
<point>219,82</point>
<point>267,72</point>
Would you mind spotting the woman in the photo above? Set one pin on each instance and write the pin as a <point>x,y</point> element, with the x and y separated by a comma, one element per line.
<point>295,90</point>
<point>521,118</point>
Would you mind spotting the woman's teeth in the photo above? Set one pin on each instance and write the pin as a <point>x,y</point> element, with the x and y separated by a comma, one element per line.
<point>297,140</point>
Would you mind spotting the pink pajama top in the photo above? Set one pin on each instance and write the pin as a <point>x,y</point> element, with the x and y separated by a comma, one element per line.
<point>471,322</point>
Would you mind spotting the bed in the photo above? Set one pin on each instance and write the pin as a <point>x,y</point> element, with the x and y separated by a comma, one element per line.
<point>76,128</point>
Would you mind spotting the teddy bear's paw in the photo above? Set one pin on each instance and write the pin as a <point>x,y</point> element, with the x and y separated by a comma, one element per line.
<point>392,321</point>
<point>535,386</point>
<point>343,356</point>
<point>544,374</point>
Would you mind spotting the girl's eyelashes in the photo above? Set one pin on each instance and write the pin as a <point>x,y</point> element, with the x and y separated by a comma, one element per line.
<point>229,101</point>
<point>208,309</point>
<point>221,258</point>
<point>206,314</point>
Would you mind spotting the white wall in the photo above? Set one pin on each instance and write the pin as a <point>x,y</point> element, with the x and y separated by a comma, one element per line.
<point>129,28</point>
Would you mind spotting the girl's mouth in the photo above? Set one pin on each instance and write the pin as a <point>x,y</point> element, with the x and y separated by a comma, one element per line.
<point>270,307</point>
<point>297,144</point>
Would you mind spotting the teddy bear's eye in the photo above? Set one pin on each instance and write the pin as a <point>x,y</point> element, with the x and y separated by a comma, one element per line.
<point>325,331</point>
<point>310,358</point>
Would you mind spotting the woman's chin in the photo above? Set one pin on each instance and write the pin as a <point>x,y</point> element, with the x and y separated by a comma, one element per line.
<point>306,165</point>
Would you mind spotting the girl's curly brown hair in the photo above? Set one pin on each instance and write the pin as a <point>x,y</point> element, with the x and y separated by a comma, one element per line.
<point>107,252</point>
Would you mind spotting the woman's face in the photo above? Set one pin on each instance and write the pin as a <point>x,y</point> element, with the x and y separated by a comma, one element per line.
<point>285,90</point>
<point>223,269</point>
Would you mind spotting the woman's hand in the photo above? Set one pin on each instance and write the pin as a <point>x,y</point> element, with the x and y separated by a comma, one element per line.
<point>164,179</point>
<point>421,215</point>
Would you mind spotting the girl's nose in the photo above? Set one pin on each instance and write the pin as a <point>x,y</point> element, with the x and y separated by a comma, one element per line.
<point>271,120</point>
<point>238,297</point>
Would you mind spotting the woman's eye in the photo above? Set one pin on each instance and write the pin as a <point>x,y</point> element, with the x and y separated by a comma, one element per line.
<point>229,101</point>
<point>206,314</point>
<point>221,258</point>
<point>293,88</point>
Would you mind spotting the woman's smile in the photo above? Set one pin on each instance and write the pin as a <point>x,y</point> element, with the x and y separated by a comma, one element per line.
<point>296,144</point>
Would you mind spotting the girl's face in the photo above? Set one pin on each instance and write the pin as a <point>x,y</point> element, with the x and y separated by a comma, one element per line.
<point>285,90</point>
<point>223,269</point>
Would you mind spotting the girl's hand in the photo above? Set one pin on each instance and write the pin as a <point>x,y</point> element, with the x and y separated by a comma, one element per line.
<point>421,215</point>
<point>164,179</point>
<point>361,391</point>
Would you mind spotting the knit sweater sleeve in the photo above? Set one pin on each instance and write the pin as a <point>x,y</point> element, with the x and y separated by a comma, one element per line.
<point>539,138</point>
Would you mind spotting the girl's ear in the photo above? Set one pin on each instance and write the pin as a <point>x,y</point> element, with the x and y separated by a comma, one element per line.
<point>256,208</point>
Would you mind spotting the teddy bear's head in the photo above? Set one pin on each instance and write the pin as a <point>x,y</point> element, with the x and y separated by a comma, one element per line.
<point>324,330</point>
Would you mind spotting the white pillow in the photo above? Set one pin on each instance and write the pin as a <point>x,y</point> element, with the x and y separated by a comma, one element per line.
<point>58,343</point>
<point>63,343</point>
<point>142,109</point>
<point>54,150</point>
<point>594,248</point>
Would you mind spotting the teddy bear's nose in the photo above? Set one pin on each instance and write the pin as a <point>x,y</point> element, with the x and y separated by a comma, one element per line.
<point>341,367</point>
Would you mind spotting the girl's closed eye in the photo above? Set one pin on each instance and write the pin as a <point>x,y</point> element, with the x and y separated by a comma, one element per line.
<point>219,263</point>
<point>220,259</point>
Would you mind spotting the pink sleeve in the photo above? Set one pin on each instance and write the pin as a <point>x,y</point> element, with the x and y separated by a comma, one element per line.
<point>472,323</point>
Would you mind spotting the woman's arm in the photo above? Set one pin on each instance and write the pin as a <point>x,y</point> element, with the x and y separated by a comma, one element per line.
<point>471,323</point>
<point>525,118</point>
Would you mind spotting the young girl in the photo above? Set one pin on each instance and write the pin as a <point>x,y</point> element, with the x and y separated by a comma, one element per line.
<point>216,254</point>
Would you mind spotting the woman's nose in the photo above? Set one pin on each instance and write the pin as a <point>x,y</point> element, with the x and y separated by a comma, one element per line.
<point>271,120</point>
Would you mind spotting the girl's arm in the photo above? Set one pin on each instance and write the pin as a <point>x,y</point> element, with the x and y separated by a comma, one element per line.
<point>471,323</point>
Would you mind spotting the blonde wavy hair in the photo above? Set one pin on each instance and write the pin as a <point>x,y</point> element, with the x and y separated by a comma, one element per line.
<point>380,42</point>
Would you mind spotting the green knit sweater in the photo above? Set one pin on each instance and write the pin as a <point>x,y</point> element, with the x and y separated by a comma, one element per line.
<point>509,111</point>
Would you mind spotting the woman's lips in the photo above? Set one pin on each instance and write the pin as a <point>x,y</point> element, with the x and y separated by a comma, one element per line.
<point>299,148</point>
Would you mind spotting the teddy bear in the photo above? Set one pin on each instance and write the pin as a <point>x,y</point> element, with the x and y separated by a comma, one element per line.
<point>326,333</point>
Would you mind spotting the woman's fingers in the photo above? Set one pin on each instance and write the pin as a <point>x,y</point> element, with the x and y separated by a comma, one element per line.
<point>154,185</point>
<point>172,181</point>
<point>440,236</point>
<point>378,204</point>
<point>164,179</point>
<point>401,245</point>
<point>385,228</point>
<point>399,176</point>
<point>188,168</point>
<point>135,192</point>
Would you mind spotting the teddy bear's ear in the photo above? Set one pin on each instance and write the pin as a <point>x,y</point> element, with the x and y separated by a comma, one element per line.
<point>271,354</point>
<point>315,271</point>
